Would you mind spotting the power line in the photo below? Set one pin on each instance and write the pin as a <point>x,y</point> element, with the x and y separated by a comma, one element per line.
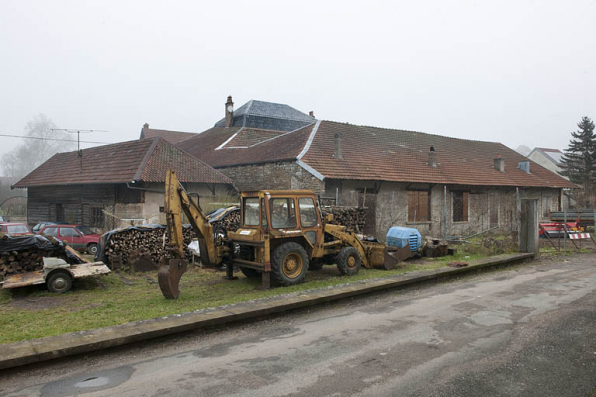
<point>50,139</point>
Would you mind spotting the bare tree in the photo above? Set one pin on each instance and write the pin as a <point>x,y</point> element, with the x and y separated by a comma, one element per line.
<point>40,145</point>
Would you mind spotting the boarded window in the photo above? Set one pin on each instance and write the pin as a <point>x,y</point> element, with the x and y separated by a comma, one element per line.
<point>460,206</point>
<point>59,212</point>
<point>418,206</point>
<point>97,219</point>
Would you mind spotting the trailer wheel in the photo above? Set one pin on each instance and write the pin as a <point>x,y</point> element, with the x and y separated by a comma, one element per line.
<point>59,282</point>
<point>289,264</point>
<point>348,261</point>
<point>92,249</point>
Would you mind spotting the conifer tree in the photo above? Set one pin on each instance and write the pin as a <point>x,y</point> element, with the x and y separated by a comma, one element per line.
<point>579,162</point>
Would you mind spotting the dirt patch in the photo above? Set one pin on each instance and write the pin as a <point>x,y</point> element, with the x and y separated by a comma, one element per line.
<point>37,303</point>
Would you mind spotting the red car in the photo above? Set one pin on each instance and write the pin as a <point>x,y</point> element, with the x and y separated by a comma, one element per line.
<point>77,236</point>
<point>14,228</point>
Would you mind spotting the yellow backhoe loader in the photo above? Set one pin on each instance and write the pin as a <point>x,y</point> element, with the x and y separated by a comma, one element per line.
<point>282,234</point>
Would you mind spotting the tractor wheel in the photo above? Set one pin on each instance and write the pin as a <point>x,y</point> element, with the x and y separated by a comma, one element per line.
<point>289,264</point>
<point>348,261</point>
<point>250,273</point>
<point>59,282</point>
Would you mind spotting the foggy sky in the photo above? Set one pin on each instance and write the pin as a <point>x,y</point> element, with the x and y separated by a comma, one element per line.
<point>519,72</point>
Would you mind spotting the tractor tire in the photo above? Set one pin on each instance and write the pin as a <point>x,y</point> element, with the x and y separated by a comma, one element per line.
<point>348,261</point>
<point>250,273</point>
<point>59,282</point>
<point>289,264</point>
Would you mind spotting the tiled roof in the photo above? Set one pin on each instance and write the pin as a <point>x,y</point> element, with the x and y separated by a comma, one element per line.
<point>171,136</point>
<point>394,155</point>
<point>221,147</point>
<point>140,160</point>
<point>370,153</point>
<point>268,116</point>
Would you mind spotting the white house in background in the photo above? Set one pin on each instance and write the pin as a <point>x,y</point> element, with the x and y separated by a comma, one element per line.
<point>548,158</point>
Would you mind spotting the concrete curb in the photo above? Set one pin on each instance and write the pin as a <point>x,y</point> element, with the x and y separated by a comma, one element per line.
<point>42,349</point>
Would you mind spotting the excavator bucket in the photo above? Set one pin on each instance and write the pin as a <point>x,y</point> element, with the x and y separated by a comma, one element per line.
<point>169,275</point>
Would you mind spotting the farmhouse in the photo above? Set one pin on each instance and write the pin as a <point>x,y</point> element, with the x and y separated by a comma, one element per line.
<point>442,185</point>
<point>113,185</point>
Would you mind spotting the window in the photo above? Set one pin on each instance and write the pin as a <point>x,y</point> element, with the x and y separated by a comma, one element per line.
<point>68,232</point>
<point>251,211</point>
<point>51,231</point>
<point>263,213</point>
<point>418,206</point>
<point>283,213</point>
<point>16,229</point>
<point>84,230</point>
<point>97,219</point>
<point>460,206</point>
<point>308,214</point>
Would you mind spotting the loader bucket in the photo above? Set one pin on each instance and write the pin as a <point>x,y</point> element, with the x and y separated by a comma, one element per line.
<point>390,260</point>
<point>169,275</point>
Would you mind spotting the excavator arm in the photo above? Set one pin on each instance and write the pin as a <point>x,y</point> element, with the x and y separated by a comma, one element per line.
<point>178,201</point>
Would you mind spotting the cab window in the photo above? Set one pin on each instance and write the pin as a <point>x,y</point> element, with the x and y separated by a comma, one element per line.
<point>251,211</point>
<point>308,214</point>
<point>263,214</point>
<point>283,213</point>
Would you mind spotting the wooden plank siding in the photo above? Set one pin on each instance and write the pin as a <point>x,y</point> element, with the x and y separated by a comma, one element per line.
<point>76,201</point>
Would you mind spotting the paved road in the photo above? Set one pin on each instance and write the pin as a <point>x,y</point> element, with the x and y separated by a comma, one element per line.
<point>524,331</point>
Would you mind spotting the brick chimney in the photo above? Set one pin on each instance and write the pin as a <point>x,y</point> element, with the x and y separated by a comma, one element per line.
<point>499,163</point>
<point>229,112</point>
<point>311,114</point>
<point>146,125</point>
<point>338,147</point>
<point>432,157</point>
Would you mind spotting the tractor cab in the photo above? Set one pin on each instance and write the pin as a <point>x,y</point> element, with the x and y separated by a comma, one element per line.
<point>280,214</point>
<point>270,219</point>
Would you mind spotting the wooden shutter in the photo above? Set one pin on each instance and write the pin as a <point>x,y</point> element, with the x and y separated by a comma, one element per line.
<point>465,206</point>
<point>418,206</point>
<point>412,205</point>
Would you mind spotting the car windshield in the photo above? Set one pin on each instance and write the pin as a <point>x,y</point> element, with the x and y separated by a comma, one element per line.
<point>85,230</point>
<point>14,229</point>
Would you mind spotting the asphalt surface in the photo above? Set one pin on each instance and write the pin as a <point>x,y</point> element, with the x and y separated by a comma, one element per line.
<point>523,331</point>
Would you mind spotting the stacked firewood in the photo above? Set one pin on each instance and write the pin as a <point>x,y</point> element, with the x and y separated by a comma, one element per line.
<point>127,246</point>
<point>13,262</point>
<point>352,217</point>
<point>231,222</point>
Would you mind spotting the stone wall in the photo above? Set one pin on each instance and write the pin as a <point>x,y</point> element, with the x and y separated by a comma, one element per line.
<point>273,176</point>
<point>488,207</point>
<point>387,202</point>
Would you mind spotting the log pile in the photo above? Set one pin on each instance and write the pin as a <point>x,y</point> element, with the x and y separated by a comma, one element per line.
<point>352,217</point>
<point>139,247</point>
<point>128,245</point>
<point>14,262</point>
<point>231,222</point>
